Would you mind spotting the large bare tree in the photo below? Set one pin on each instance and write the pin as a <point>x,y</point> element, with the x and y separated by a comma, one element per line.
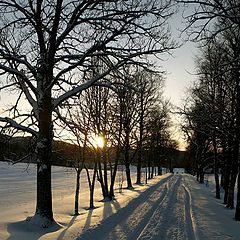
<point>46,49</point>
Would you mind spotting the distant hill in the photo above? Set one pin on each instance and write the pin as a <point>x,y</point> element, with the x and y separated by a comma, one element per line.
<point>15,148</point>
<point>66,154</point>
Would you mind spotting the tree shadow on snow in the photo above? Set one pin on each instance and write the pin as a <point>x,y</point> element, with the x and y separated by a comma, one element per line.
<point>118,222</point>
<point>61,236</point>
<point>25,230</point>
<point>110,207</point>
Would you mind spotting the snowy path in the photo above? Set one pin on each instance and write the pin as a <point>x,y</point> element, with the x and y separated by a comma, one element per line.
<point>161,212</point>
<point>169,207</point>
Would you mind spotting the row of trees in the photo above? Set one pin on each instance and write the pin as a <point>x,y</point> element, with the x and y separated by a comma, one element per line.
<point>127,124</point>
<point>52,52</point>
<point>212,112</point>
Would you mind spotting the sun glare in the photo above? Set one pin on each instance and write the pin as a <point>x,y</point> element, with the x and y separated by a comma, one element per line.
<point>99,141</point>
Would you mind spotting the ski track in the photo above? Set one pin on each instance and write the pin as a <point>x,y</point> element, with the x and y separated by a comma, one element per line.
<point>189,217</point>
<point>163,212</point>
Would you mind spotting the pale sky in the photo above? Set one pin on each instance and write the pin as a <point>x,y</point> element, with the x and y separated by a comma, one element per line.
<point>180,77</point>
<point>180,68</point>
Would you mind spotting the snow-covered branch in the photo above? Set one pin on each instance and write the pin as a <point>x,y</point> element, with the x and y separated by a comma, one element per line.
<point>83,86</point>
<point>11,123</point>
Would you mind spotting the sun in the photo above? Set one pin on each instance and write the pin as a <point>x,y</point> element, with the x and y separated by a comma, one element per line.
<point>99,141</point>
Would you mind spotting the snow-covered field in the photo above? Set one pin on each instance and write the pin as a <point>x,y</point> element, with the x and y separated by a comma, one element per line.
<point>168,207</point>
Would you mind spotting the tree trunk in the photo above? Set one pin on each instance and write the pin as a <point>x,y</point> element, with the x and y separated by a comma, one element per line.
<point>113,176</point>
<point>91,204</point>
<point>44,194</point>
<point>237,212</point>
<point>230,197</point>
<point>217,185</point>
<point>159,170</point>
<point>149,168</point>
<point>216,169</point>
<point>201,177</point>
<point>139,161</point>
<point>152,172</point>
<point>128,176</point>
<point>139,166</point>
<point>127,161</point>
<point>105,174</point>
<point>44,152</point>
<point>77,192</point>
<point>100,178</point>
<point>233,176</point>
<point>228,165</point>
<point>237,144</point>
<point>198,176</point>
<point>226,183</point>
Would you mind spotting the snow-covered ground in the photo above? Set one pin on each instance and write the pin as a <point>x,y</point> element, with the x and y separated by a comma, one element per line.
<point>168,207</point>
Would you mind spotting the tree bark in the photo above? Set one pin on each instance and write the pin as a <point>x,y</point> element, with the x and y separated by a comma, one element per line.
<point>91,204</point>
<point>159,170</point>
<point>216,168</point>
<point>44,152</point>
<point>127,160</point>
<point>77,192</point>
<point>113,176</point>
<point>237,142</point>
<point>139,161</point>
<point>226,183</point>
<point>201,177</point>
<point>230,197</point>
<point>105,173</point>
<point>128,176</point>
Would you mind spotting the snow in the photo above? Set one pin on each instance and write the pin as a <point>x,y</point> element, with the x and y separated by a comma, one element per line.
<point>178,170</point>
<point>172,206</point>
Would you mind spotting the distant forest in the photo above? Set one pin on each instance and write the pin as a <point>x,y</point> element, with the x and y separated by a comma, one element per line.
<point>67,154</point>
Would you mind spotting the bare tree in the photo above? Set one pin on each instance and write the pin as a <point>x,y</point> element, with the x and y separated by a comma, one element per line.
<point>204,15</point>
<point>46,48</point>
<point>76,124</point>
<point>149,90</point>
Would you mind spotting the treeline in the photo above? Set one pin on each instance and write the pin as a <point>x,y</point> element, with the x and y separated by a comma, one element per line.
<point>212,109</point>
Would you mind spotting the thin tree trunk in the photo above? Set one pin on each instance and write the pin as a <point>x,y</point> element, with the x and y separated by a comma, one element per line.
<point>105,174</point>
<point>91,185</point>
<point>230,197</point>
<point>77,192</point>
<point>146,175</point>
<point>139,165</point>
<point>113,176</point>
<point>149,168</point>
<point>128,176</point>
<point>227,172</point>
<point>201,177</point>
<point>226,184</point>
<point>139,161</point>
<point>159,170</point>
<point>127,161</point>
<point>152,172</point>
<point>216,169</point>
<point>100,178</point>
